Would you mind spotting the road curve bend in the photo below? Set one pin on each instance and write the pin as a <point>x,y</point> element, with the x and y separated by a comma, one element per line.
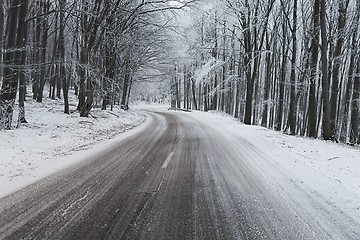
<point>177,179</point>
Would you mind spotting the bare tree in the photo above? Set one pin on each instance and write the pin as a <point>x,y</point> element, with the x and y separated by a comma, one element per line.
<point>12,60</point>
<point>342,10</point>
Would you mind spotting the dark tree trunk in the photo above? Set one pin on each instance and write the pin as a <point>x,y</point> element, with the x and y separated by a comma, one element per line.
<point>350,83</point>
<point>89,100</point>
<point>247,64</point>
<point>173,91</point>
<point>53,72</point>
<point>347,101</point>
<point>10,81</point>
<point>126,84</point>
<point>58,81</point>
<point>337,64</point>
<point>312,112</point>
<point>36,54</point>
<point>280,112</point>
<point>188,86</point>
<point>224,73</point>
<point>129,92</point>
<point>354,136</point>
<point>82,80</point>
<point>200,99</point>
<point>62,57</point>
<point>327,133</point>
<point>110,62</point>
<point>91,19</point>
<point>214,103</point>
<point>185,89</point>
<point>292,110</point>
<point>238,90</point>
<point>206,98</point>
<point>178,101</point>
<point>43,37</point>
<point>249,79</point>
<point>21,55</point>
<point>264,119</point>
<point>194,93</point>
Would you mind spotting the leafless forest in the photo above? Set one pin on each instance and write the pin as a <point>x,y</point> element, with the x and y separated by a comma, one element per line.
<point>292,66</point>
<point>96,47</point>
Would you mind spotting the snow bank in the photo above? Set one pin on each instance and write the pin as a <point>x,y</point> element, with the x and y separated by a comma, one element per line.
<point>53,140</point>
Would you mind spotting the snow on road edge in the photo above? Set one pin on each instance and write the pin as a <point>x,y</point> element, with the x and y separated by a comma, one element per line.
<point>327,171</point>
<point>52,141</point>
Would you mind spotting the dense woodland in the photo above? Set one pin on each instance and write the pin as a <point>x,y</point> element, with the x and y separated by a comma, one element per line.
<point>292,66</point>
<point>98,48</point>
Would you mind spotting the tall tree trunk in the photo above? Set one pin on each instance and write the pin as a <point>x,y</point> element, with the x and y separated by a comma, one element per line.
<point>238,89</point>
<point>126,84</point>
<point>280,112</point>
<point>10,82</point>
<point>348,90</point>
<point>177,88</point>
<point>206,97</point>
<point>312,112</point>
<point>62,56</point>
<point>185,88</point>
<point>346,123</point>
<point>343,4</point>
<point>194,93</point>
<point>91,19</point>
<point>82,79</point>
<point>249,79</point>
<point>292,110</point>
<point>129,92</point>
<point>173,92</point>
<point>53,72</point>
<point>327,133</point>
<point>36,53</point>
<point>355,108</point>
<point>43,33</point>
<point>188,95</point>
<point>110,62</point>
<point>21,56</point>
<point>200,99</point>
<point>223,75</point>
<point>264,118</point>
<point>214,103</point>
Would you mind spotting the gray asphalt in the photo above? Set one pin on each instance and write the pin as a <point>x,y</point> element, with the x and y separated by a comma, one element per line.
<point>177,179</point>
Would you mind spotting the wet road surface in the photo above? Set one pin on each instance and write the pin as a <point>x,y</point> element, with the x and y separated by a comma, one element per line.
<point>177,179</point>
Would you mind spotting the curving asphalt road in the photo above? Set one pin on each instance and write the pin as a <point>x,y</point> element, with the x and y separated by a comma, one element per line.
<point>178,179</point>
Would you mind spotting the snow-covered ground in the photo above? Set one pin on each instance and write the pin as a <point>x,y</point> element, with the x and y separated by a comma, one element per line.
<point>308,171</point>
<point>53,140</point>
